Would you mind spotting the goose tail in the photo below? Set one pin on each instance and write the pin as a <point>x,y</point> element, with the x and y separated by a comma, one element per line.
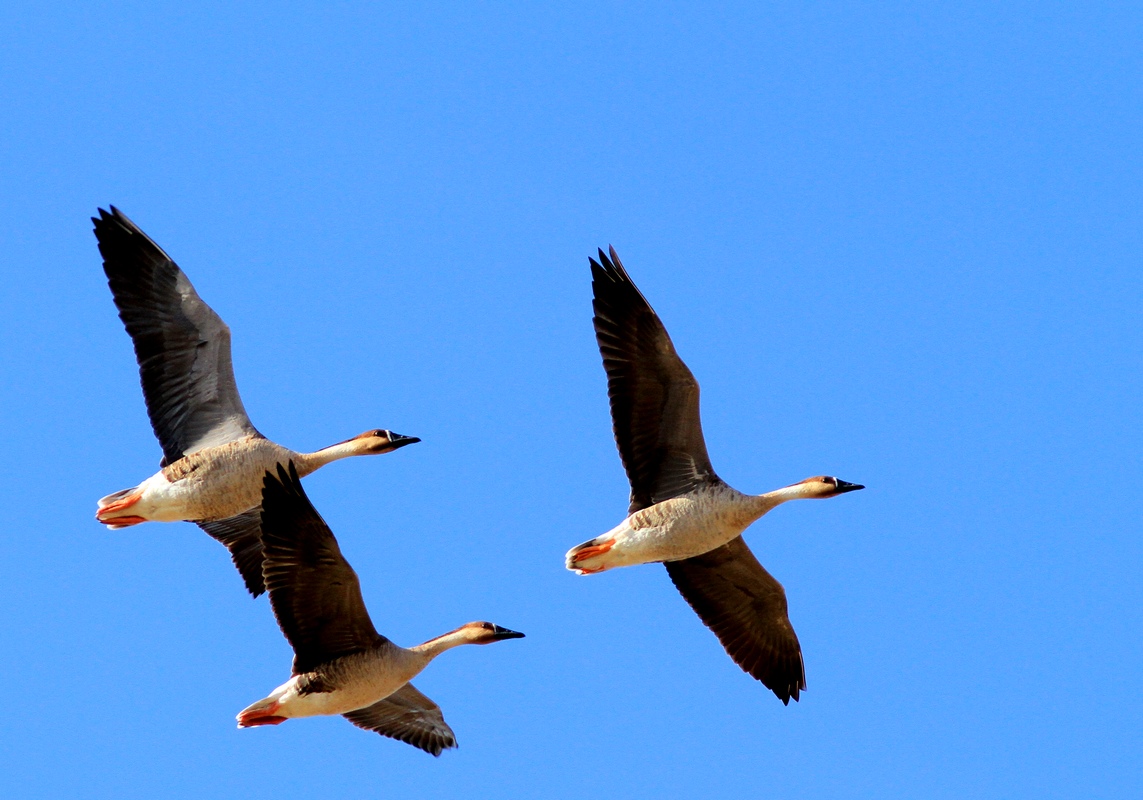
<point>264,712</point>
<point>590,551</point>
<point>111,509</point>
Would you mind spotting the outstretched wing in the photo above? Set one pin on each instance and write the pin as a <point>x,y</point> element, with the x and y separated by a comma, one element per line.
<point>242,535</point>
<point>746,608</point>
<point>408,716</point>
<point>313,590</point>
<point>654,397</point>
<point>182,346</point>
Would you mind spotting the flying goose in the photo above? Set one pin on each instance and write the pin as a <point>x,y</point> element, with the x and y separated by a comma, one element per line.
<point>681,512</point>
<point>213,456</point>
<point>342,665</point>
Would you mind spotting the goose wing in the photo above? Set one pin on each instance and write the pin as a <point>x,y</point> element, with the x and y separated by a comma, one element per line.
<point>746,608</point>
<point>242,536</point>
<point>654,397</point>
<point>182,346</point>
<point>408,716</point>
<point>314,592</point>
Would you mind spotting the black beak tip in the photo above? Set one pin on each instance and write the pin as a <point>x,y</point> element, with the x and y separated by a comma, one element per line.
<point>397,440</point>
<point>504,633</point>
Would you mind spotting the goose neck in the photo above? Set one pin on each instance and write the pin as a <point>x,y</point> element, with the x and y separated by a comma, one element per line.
<point>434,647</point>
<point>760,504</point>
<point>309,462</point>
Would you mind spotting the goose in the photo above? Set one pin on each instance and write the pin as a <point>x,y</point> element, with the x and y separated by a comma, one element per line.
<point>213,456</point>
<point>681,513</point>
<point>342,665</point>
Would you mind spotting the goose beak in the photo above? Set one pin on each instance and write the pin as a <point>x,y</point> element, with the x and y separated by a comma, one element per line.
<point>499,634</point>
<point>396,440</point>
<point>844,486</point>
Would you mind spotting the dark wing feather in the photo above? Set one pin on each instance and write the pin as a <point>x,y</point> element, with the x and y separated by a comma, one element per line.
<point>408,716</point>
<point>746,608</point>
<point>182,346</point>
<point>242,535</point>
<point>654,397</point>
<point>313,590</point>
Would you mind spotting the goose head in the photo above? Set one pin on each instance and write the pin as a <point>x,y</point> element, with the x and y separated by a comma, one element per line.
<point>822,486</point>
<point>486,633</point>
<point>379,441</point>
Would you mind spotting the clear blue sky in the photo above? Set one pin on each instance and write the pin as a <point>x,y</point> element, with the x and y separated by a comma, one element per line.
<point>897,244</point>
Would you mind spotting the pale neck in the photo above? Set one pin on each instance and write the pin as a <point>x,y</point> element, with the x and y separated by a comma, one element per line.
<point>309,462</point>
<point>434,647</point>
<point>759,504</point>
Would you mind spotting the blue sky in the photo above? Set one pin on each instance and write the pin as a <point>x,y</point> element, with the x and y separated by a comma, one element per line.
<point>899,244</point>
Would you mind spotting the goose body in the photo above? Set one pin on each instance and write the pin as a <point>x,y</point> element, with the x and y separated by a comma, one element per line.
<point>219,482</point>
<point>340,686</point>
<point>341,664</point>
<point>678,528</point>
<point>213,456</point>
<point>691,524</point>
<point>681,513</point>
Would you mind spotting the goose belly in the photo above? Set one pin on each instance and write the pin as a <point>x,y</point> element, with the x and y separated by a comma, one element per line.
<point>344,690</point>
<point>339,701</point>
<point>674,529</point>
<point>211,484</point>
